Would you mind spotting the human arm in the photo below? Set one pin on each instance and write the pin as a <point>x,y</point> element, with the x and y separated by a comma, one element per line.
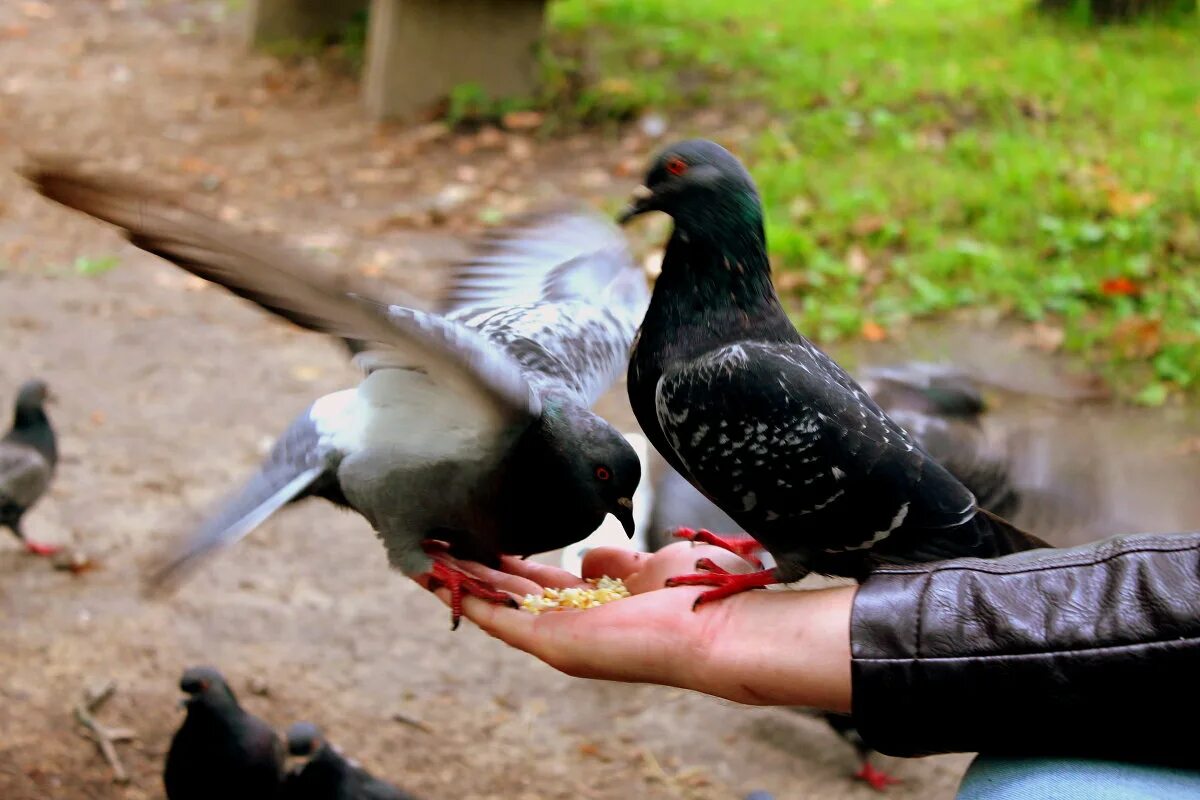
<point>1088,651</point>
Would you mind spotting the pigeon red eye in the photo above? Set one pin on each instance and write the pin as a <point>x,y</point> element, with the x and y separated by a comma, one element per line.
<point>677,166</point>
<point>602,473</point>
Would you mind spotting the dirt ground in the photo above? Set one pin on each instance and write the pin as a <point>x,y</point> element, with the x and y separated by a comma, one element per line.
<point>169,391</point>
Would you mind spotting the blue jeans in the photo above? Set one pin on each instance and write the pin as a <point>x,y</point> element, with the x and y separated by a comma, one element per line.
<point>994,778</point>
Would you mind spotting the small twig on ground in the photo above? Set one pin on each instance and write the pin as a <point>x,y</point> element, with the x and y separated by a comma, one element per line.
<point>103,736</point>
<point>413,722</point>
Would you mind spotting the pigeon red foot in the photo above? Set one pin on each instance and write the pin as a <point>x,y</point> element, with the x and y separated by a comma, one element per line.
<point>740,544</point>
<point>40,549</point>
<point>876,779</point>
<point>727,583</point>
<point>460,583</point>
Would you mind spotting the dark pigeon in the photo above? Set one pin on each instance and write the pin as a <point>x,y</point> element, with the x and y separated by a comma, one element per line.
<point>28,456</point>
<point>942,407</point>
<point>472,429</point>
<point>762,422</point>
<point>221,750</point>
<point>329,775</point>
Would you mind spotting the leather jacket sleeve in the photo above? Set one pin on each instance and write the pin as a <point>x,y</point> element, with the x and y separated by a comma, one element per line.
<point>1092,651</point>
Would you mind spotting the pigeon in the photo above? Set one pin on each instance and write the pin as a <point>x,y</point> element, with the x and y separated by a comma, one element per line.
<point>471,432</point>
<point>221,750</point>
<point>766,425</point>
<point>328,775</point>
<point>28,456</point>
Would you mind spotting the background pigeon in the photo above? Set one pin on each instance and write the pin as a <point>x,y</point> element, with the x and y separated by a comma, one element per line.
<point>472,429</point>
<point>220,750</point>
<point>328,775</point>
<point>764,423</point>
<point>28,455</point>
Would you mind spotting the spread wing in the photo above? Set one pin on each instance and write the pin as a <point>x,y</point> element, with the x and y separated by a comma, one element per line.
<point>24,475</point>
<point>560,292</point>
<point>284,283</point>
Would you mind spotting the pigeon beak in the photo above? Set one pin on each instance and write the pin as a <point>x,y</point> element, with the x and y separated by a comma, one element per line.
<point>624,515</point>
<point>640,202</point>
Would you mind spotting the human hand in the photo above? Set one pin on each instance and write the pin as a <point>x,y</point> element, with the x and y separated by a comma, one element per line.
<point>760,647</point>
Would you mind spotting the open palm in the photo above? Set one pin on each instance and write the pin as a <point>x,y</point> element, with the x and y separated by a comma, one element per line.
<point>654,636</point>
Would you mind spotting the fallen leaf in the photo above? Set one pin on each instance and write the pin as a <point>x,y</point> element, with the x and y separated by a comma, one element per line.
<point>800,209</point>
<point>97,418</point>
<point>523,120</point>
<point>851,87</point>
<point>15,31</point>
<point>589,749</point>
<point>1128,204</point>
<point>1119,287</point>
<point>857,260</point>
<point>868,225</point>
<point>1137,337</point>
<point>790,281</point>
<point>1042,336</point>
<point>490,137</point>
<point>873,332</point>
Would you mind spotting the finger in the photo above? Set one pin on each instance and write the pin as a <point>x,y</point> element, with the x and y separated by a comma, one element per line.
<point>541,574</point>
<point>680,559</point>
<point>615,562</point>
<point>504,581</point>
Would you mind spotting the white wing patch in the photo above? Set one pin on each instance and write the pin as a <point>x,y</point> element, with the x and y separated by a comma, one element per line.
<point>879,535</point>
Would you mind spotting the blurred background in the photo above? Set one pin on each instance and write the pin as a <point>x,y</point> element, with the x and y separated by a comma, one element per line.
<point>1011,188</point>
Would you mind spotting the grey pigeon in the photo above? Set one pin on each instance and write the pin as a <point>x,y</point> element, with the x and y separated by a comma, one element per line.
<point>472,430</point>
<point>221,750</point>
<point>765,424</point>
<point>329,775</point>
<point>28,456</point>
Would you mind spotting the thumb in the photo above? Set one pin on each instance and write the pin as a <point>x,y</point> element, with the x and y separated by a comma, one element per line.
<point>615,562</point>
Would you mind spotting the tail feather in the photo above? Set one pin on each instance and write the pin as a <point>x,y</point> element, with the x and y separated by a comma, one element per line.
<point>239,514</point>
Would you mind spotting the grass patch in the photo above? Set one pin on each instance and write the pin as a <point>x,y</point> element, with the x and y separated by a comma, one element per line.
<point>917,156</point>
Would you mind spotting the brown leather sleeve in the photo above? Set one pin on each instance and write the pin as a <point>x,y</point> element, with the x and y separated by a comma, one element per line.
<point>1090,651</point>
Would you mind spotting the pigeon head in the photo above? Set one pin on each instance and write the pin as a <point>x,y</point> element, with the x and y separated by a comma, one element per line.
<point>31,400</point>
<point>304,739</point>
<point>702,186</point>
<point>599,470</point>
<point>205,685</point>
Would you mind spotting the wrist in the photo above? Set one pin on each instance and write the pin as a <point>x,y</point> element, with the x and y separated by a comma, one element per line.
<point>788,648</point>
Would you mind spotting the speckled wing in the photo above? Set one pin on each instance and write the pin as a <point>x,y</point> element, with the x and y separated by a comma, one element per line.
<point>785,442</point>
<point>560,292</point>
<point>24,475</point>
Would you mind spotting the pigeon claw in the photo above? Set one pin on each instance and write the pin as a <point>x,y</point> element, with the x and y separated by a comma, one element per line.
<point>726,583</point>
<point>40,549</point>
<point>740,544</point>
<point>461,584</point>
<point>876,779</point>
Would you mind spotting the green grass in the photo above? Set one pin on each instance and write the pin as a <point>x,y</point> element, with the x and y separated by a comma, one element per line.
<point>917,156</point>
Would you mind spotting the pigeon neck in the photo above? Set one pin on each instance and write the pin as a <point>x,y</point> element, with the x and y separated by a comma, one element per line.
<point>32,427</point>
<point>724,272</point>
